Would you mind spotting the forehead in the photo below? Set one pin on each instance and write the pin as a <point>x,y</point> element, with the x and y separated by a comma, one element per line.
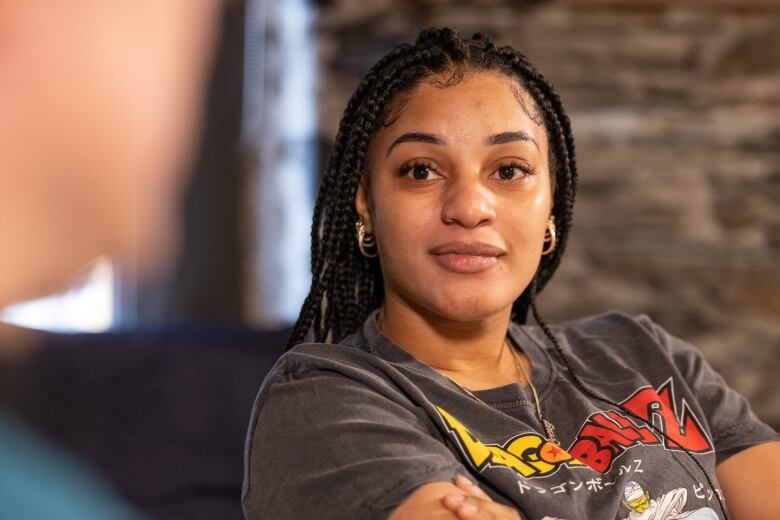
<point>482,103</point>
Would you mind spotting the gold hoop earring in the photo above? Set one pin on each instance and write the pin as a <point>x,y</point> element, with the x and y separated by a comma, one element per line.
<point>365,241</point>
<point>550,237</point>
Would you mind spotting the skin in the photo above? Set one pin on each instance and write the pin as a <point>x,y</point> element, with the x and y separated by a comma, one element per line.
<point>749,481</point>
<point>99,110</point>
<point>457,322</point>
<point>460,499</point>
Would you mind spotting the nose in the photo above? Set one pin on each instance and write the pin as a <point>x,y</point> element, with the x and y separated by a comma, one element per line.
<point>468,202</point>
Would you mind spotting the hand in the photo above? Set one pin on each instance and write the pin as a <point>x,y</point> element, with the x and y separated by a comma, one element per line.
<point>475,504</point>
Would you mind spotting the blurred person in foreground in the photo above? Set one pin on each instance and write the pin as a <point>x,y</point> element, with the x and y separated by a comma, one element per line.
<point>100,104</point>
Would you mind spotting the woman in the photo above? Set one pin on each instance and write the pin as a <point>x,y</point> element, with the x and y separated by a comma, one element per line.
<point>444,209</point>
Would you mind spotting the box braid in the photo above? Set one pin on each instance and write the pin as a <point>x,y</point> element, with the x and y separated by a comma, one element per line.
<point>346,286</point>
<point>582,387</point>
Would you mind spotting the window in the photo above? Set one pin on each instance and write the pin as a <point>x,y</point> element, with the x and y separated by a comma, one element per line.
<point>279,136</point>
<point>86,307</point>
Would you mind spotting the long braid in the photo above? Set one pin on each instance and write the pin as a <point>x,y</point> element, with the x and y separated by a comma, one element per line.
<point>565,200</point>
<point>582,387</point>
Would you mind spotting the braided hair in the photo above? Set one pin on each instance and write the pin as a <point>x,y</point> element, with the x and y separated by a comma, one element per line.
<point>347,286</point>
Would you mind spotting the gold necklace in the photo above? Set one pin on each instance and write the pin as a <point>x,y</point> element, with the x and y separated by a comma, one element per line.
<point>549,428</point>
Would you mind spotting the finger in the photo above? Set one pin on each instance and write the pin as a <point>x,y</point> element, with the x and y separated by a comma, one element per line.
<point>464,506</point>
<point>471,508</point>
<point>453,501</point>
<point>470,487</point>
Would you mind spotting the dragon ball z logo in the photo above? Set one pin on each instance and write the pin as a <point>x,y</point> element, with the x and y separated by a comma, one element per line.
<point>603,438</point>
<point>528,454</point>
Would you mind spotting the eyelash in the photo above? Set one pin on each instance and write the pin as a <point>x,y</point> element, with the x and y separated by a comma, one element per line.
<point>408,167</point>
<point>411,166</point>
<point>525,169</point>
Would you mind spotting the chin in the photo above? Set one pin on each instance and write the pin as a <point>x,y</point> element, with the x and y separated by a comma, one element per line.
<point>465,307</point>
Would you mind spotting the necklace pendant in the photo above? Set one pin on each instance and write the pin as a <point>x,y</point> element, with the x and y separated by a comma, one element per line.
<point>549,429</point>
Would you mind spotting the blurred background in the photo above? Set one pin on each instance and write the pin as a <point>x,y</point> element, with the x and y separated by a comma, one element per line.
<point>675,106</point>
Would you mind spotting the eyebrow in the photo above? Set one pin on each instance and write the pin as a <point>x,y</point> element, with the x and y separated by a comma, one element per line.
<point>416,137</point>
<point>510,137</point>
<point>501,138</point>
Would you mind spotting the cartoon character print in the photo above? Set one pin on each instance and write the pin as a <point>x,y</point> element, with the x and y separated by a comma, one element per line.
<point>668,506</point>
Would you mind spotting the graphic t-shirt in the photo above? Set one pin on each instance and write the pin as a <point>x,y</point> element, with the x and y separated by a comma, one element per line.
<point>350,430</point>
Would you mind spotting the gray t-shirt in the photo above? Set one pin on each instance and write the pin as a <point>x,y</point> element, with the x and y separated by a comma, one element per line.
<point>350,430</point>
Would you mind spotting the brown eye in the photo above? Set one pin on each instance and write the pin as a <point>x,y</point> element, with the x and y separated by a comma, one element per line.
<point>419,171</point>
<point>513,171</point>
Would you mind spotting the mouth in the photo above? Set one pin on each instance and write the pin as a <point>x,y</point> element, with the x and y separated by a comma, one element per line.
<point>467,257</point>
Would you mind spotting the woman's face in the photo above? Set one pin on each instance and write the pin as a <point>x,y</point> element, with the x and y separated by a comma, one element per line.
<point>458,198</point>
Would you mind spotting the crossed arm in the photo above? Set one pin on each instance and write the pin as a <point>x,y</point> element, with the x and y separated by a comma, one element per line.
<point>456,500</point>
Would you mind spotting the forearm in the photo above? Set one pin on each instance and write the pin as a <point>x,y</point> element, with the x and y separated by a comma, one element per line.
<point>426,502</point>
<point>749,482</point>
<point>459,500</point>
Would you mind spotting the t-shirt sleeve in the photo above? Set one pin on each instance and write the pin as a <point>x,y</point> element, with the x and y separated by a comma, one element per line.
<point>326,445</point>
<point>733,424</point>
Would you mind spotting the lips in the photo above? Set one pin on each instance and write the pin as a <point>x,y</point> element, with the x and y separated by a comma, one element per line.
<point>467,248</point>
<point>467,257</point>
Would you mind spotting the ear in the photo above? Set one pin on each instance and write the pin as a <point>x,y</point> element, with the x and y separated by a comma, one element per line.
<point>363,205</point>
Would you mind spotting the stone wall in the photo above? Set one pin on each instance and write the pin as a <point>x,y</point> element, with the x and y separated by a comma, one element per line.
<point>676,113</point>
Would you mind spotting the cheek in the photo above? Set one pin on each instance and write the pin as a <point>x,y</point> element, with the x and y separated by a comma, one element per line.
<point>523,224</point>
<point>403,226</point>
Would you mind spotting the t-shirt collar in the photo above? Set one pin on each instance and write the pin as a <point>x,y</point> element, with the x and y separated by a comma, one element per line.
<point>371,338</point>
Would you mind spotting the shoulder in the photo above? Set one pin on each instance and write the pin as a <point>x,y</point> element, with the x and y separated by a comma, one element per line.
<point>317,374</point>
<point>612,331</point>
<point>615,341</point>
<point>312,359</point>
<point>612,322</point>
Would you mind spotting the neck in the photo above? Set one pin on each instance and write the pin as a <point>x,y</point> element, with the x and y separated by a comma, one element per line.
<point>474,353</point>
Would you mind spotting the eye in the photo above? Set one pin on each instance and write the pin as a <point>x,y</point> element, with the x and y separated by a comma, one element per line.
<point>419,170</point>
<point>513,171</point>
